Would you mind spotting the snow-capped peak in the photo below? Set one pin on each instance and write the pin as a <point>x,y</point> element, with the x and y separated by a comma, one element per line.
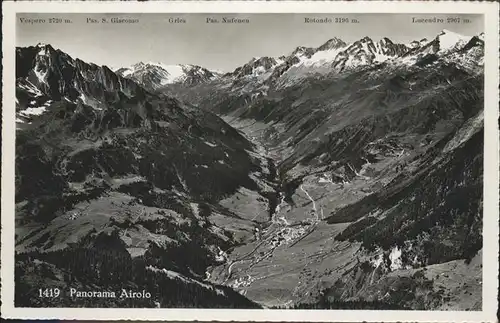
<point>449,39</point>
<point>155,74</point>
<point>332,44</point>
<point>43,49</point>
<point>334,54</point>
<point>449,32</point>
<point>163,74</point>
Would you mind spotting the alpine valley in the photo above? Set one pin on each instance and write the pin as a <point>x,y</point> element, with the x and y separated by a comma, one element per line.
<point>344,176</point>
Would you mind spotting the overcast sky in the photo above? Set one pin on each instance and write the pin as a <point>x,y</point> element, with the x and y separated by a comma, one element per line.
<point>218,46</point>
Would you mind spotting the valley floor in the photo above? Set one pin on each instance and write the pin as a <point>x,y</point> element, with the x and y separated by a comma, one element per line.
<point>294,257</point>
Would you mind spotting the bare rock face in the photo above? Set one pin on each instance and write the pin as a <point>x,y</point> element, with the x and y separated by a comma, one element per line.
<point>332,44</point>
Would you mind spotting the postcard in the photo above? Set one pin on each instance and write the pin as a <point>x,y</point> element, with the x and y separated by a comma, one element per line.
<point>250,161</point>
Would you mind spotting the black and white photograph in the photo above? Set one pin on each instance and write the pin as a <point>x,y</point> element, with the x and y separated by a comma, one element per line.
<point>264,161</point>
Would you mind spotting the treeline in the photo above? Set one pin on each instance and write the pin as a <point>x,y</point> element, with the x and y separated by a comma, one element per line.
<point>353,230</point>
<point>104,264</point>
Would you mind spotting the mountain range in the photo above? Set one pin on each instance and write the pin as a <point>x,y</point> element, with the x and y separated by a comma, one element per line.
<point>156,75</point>
<point>342,176</point>
<point>334,54</point>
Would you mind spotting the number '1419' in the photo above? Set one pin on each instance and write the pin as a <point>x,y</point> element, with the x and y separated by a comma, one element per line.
<point>49,292</point>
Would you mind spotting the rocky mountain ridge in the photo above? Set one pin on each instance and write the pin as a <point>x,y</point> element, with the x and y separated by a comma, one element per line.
<point>334,55</point>
<point>155,75</point>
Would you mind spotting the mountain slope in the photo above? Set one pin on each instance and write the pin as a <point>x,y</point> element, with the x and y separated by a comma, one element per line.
<point>102,158</point>
<point>379,160</point>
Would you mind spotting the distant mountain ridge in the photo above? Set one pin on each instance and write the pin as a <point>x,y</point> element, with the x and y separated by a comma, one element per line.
<point>335,55</point>
<point>156,75</point>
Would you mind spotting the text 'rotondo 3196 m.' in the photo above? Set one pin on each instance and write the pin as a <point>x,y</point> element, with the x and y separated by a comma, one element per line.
<point>277,164</point>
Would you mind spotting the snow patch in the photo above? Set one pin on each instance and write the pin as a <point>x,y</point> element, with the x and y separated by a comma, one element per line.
<point>175,73</point>
<point>36,111</point>
<point>449,40</point>
<point>85,101</point>
<point>470,127</point>
<point>127,72</point>
<point>83,98</point>
<point>210,144</point>
<point>40,74</point>
<point>324,56</point>
<point>379,57</point>
<point>31,88</point>
<point>196,210</point>
<point>395,257</point>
